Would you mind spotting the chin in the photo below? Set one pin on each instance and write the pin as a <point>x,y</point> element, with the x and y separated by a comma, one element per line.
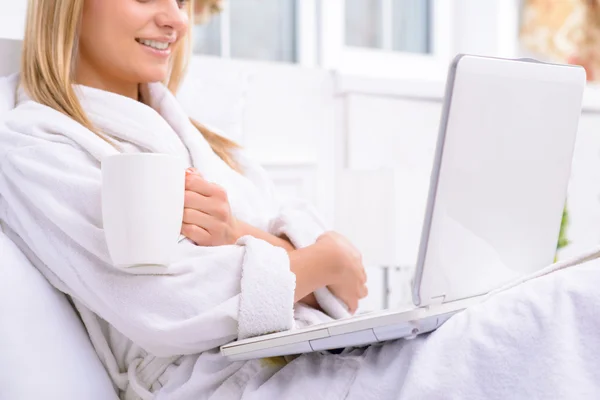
<point>158,74</point>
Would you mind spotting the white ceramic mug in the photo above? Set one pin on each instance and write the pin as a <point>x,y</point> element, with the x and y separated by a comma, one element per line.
<point>142,207</point>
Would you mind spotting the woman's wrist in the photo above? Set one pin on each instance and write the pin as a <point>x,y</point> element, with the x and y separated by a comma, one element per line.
<point>328,260</point>
<point>311,273</point>
<point>243,229</point>
<point>238,229</point>
<point>314,266</point>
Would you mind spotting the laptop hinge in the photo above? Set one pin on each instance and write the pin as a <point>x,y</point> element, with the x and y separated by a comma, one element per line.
<point>438,300</point>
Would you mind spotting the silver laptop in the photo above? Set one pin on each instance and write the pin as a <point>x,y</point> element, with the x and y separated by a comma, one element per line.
<point>497,191</point>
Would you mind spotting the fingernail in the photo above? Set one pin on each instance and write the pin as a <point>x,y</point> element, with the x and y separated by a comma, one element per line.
<point>189,171</point>
<point>195,171</point>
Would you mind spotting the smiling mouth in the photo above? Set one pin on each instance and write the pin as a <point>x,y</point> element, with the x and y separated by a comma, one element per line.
<point>154,44</point>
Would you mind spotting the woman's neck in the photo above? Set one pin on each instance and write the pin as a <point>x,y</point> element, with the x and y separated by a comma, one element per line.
<point>90,77</point>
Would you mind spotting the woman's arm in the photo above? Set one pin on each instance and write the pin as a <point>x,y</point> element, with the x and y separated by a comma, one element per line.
<point>284,243</point>
<point>208,221</point>
<point>247,229</point>
<point>51,199</point>
<point>297,221</point>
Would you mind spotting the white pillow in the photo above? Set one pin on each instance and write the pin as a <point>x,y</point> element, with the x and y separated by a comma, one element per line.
<point>45,352</point>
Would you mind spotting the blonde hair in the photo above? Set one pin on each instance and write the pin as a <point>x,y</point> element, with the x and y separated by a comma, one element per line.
<point>49,48</point>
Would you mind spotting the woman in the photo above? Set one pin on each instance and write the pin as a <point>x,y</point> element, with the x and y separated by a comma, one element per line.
<point>85,74</point>
<point>87,90</point>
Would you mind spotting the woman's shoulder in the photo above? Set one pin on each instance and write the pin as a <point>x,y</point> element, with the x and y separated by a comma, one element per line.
<point>12,139</point>
<point>15,104</point>
<point>30,123</point>
<point>33,128</point>
<point>21,137</point>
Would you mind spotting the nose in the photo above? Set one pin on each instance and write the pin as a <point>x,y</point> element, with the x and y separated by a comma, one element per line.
<point>172,16</point>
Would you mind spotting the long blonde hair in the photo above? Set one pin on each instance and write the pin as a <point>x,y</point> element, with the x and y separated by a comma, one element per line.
<point>49,48</point>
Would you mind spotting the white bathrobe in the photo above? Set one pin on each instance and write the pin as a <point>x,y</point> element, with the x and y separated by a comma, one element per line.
<point>207,297</point>
<point>158,334</point>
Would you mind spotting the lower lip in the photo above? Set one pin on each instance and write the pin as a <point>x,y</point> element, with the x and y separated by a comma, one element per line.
<point>157,53</point>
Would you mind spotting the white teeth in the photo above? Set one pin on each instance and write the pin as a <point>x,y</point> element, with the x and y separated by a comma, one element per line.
<point>154,44</point>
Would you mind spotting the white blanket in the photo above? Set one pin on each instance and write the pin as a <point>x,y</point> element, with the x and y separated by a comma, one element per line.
<point>157,335</point>
<point>538,340</point>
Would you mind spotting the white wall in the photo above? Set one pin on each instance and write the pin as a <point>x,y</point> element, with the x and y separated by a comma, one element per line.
<point>10,51</point>
<point>487,27</point>
<point>584,188</point>
<point>12,29</point>
<point>12,19</point>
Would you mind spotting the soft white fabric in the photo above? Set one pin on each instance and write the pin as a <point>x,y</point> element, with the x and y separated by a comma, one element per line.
<point>38,323</point>
<point>537,340</point>
<point>140,321</point>
<point>45,352</point>
<point>253,301</point>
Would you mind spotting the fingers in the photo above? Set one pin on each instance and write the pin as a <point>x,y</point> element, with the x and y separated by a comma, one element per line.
<point>352,306</point>
<point>363,291</point>
<point>200,219</point>
<point>200,202</point>
<point>217,208</point>
<point>196,183</point>
<point>196,234</point>
<point>353,302</point>
<point>206,197</point>
<point>196,201</point>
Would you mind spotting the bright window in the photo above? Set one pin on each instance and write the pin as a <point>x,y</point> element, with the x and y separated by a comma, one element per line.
<point>393,25</point>
<point>383,38</point>
<point>251,29</point>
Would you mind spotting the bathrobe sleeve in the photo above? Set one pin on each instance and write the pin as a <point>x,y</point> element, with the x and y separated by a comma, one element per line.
<point>297,220</point>
<point>208,297</point>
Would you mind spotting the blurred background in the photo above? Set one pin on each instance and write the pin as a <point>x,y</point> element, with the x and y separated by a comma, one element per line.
<point>353,35</point>
<point>340,101</point>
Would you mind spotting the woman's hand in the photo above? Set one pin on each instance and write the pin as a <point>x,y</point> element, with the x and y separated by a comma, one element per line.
<point>207,219</point>
<point>348,273</point>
